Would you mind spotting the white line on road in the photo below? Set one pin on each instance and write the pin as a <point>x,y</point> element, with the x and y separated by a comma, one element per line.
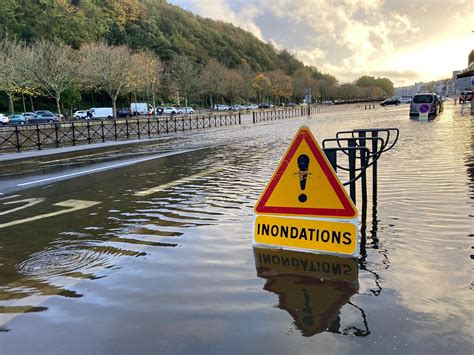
<point>175,183</point>
<point>83,172</point>
<point>29,202</point>
<point>74,205</point>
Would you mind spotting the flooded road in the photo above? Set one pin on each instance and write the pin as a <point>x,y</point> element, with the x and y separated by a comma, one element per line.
<point>155,256</point>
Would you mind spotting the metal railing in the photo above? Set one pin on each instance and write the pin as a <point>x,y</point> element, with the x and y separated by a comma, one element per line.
<point>48,135</point>
<point>360,155</point>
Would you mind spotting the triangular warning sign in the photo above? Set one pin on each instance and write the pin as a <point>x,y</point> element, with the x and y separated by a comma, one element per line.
<point>304,184</point>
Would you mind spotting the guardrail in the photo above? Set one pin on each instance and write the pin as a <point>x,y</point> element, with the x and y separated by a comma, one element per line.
<point>47,135</point>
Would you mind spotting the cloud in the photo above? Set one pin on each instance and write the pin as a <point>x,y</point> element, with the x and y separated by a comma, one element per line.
<point>349,38</point>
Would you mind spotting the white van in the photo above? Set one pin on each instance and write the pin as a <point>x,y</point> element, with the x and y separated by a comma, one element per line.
<point>102,112</point>
<point>141,108</point>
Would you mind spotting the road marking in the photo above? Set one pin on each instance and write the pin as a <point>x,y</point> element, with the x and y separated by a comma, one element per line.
<point>29,202</point>
<point>84,172</point>
<point>175,183</point>
<point>79,156</point>
<point>74,205</point>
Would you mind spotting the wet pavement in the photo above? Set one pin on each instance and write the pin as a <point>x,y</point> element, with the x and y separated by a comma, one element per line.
<point>148,250</point>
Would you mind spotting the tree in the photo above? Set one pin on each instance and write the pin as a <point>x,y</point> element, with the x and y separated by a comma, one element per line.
<point>182,77</point>
<point>52,68</point>
<point>12,77</point>
<point>261,85</point>
<point>211,79</point>
<point>108,67</point>
<point>247,82</point>
<point>146,73</point>
<point>233,85</point>
<point>281,85</point>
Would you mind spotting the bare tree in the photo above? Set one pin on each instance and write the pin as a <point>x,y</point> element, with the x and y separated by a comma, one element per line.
<point>12,78</point>
<point>247,82</point>
<point>107,67</point>
<point>211,79</point>
<point>233,84</point>
<point>182,77</point>
<point>52,68</point>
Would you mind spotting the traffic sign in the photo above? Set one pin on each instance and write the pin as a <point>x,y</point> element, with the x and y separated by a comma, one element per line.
<point>339,237</point>
<point>304,184</point>
<point>424,108</point>
<point>304,206</point>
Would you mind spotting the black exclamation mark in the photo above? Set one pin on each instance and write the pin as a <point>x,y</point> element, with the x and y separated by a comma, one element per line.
<point>303,162</point>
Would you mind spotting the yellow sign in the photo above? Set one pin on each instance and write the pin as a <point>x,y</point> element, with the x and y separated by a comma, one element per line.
<point>306,234</point>
<point>305,184</point>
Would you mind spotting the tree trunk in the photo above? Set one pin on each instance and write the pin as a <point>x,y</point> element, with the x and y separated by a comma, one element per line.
<point>210,100</point>
<point>11,109</point>
<point>154,105</point>
<point>58,106</point>
<point>31,103</point>
<point>114,107</point>
<point>23,99</point>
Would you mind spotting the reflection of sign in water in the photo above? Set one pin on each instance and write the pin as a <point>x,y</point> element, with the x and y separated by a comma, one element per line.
<point>312,288</point>
<point>304,188</point>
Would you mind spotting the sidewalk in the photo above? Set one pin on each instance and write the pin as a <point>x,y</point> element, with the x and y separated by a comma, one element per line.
<point>73,150</point>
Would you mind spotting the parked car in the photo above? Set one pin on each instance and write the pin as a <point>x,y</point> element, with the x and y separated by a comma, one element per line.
<point>43,117</point>
<point>220,107</point>
<point>252,107</point>
<point>185,110</point>
<point>405,99</point>
<point>169,111</point>
<point>433,100</point>
<point>101,112</point>
<point>390,101</point>
<point>3,119</point>
<point>238,107</point>
<point>27,115</point>
<point>266,106</point>
<point>291,104</point>
<point>141,108</point>
<point>17,118</point>
<point>327,102</point>
<point>125,112</point>
<point>79,114</point>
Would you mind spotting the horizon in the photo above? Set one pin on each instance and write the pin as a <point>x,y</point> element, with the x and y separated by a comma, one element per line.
<point>405,41</point>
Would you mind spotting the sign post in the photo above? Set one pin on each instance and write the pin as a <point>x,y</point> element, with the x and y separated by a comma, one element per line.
<point>304,206</point>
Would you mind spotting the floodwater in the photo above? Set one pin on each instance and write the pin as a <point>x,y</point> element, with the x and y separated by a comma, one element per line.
<point>173,271</point>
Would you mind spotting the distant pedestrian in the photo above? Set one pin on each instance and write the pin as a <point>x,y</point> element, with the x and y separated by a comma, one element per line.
<point>89,115</point>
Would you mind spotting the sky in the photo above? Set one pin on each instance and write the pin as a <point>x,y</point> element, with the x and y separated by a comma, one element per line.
<point>407,41</point>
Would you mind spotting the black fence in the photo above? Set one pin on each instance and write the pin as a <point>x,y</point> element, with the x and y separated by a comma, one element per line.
<point>41,136</point>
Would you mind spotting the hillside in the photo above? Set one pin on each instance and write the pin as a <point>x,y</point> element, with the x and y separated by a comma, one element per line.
<point>154,24</point>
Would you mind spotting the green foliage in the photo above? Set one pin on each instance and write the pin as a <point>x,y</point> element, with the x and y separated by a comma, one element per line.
<point>385,84</point>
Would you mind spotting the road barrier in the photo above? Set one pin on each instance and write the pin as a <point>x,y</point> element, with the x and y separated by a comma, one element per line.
<point>353,145</point>
<point>41,136</point>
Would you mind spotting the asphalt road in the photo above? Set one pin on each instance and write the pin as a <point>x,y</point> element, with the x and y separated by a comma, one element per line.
<point>146,248</point>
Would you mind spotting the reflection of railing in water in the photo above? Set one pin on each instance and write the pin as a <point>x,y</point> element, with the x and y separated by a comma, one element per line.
<point>312,288</point>
<point>71,133</point>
